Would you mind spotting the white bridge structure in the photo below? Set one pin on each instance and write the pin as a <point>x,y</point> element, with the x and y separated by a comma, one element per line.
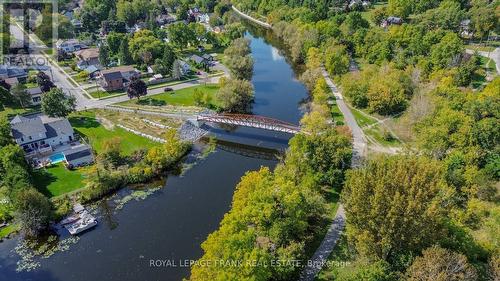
<point>252,121</point>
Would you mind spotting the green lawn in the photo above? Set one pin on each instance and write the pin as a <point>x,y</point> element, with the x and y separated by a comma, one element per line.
<point>362,119</point>
<point>367,15</point>
<point>183,97</point>
<point>58,180</point>
<point>13,110</point>
<point>86,125</point>
<point>337,115</point>
<point>480,48</point>
<point>377,133</point>
<point>4,231</point>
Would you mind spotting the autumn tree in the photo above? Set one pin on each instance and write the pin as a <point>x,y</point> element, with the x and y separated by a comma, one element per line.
<point>438,264</point>
<point>395,205</point>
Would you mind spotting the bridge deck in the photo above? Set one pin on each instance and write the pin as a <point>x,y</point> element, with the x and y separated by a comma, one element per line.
<point>253,121</point>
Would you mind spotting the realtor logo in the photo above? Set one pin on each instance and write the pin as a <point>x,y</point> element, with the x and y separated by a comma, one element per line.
<point>28,28</point>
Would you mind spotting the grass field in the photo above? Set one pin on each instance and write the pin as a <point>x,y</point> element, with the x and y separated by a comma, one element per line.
<point>4,231</point>
<point>337,116</point>
<point>58,180</point>
<point>362,119</point>
<point>183,97</point>
<point>87,125</point>
<point>13,110</point>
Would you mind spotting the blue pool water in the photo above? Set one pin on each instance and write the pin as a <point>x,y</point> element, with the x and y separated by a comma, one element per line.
<point>56,158</point>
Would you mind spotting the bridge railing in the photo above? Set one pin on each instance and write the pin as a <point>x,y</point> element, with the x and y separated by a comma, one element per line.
<point>253,121</point>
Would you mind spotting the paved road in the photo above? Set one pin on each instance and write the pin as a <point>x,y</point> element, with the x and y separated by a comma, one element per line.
<point>62,80</point>
<point>494,55</point>
<point>259,22</point>
<point>321,255</point>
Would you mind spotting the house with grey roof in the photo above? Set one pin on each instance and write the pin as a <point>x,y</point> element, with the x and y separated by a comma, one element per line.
<point>7,71</point>
<point>41,133</point>
<point>36,95</point>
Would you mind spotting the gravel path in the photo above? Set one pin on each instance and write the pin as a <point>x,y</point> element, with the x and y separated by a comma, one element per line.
<point>318,260</point>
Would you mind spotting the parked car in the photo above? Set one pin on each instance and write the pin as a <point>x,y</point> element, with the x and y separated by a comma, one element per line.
<point>168,89</point>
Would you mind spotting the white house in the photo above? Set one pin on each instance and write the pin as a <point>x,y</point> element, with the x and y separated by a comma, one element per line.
<point>70,46</point>
<point>41,133</point>
<point>203,18</point>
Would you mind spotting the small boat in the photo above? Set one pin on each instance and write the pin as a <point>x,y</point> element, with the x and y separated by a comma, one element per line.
<point>83,224</point>
<point>70,219</point>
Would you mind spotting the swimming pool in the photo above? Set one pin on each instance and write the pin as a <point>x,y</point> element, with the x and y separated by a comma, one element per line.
<point>56,158</point>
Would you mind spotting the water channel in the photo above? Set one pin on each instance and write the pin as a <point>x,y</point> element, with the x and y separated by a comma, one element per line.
<point>173,222</point>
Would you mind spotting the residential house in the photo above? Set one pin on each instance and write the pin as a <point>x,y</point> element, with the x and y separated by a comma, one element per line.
<point>203,18</point>
<point>111,80</point>
<point>87,57</point>
<point>70,46</point>
<point>92,71</point>
<point>199,61</point>
<point>76,23</point>
<point>208,57</point>
<point>36,95</point>
<point>12,81</point>
<point>41,133</point>
<point>7,71</point>
<point>185,67</point>
<point>391,21</point>
<point>117,78</point>
<point>165,19</point>
<point>465,28</point>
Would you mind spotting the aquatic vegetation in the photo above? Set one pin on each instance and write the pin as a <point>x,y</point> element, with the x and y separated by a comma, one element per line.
<point>31,250</point>
<point>136,195</point>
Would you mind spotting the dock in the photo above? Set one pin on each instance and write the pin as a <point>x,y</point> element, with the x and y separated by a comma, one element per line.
<point>79,221</point>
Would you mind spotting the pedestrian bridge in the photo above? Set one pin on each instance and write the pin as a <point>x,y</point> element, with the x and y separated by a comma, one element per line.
<point>252,121</point>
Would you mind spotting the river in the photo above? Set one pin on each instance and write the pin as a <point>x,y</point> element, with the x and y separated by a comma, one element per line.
<point>171,224</point>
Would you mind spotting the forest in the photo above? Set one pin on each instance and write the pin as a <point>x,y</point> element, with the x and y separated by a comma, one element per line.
<point>431,212</point>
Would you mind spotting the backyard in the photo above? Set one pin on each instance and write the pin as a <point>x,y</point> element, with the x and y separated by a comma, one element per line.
<point>57,180</point>
<point>86,124</point>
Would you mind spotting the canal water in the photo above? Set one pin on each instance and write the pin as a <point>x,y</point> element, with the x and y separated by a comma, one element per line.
<point>171,224</point>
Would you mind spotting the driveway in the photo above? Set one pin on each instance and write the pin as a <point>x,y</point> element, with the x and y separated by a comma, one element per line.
<point>494,55</point>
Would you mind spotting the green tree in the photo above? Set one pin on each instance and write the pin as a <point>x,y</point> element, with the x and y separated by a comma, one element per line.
<point>395,206</point>
<point>438,264</point>
<point>33,211</point>
<point>337,60</point>
<point>21,95</point>
<point>180,35</point>
<point>238,59</point>
<point>483,17</point>
<point>144,42</point>
<point>114,40</point>
<point>56,104</point>
<point>447,51</point>
<point>5,137</point>
<point>166,63</point>
<point>235,95</point>
<point>111,152</point>
<point>176,70</point>
<point>124,53</point>
<point>104,55</point>
<point>400,8</point>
